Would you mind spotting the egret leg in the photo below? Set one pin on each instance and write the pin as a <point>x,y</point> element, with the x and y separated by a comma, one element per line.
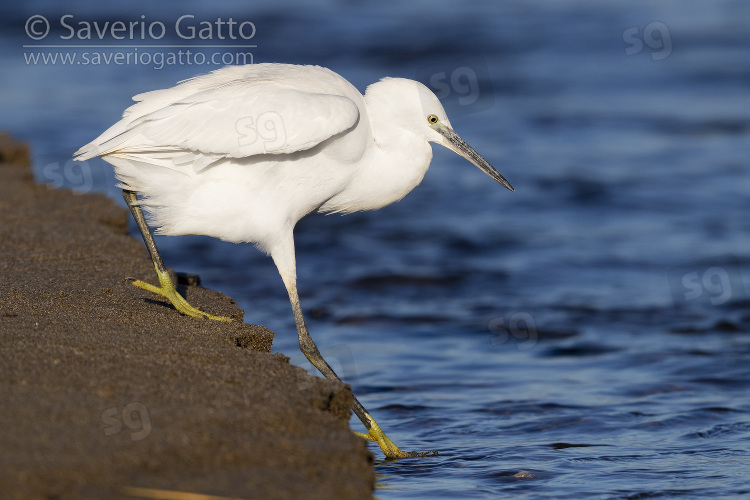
<point>166,288</point>
<point>311,352</point>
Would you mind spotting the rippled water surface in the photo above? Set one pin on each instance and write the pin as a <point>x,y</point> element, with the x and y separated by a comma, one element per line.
<point>585,336</point>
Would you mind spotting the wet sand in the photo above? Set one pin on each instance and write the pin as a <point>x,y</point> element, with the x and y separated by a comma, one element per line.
<point>107,392</point>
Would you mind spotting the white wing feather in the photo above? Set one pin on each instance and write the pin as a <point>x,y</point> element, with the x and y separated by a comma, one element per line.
<point>227,114</point>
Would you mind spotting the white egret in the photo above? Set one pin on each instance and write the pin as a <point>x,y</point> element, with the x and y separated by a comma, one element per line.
<point>244,152</point>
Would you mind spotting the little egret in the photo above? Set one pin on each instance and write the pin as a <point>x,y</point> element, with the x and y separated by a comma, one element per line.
<point>244,152</point>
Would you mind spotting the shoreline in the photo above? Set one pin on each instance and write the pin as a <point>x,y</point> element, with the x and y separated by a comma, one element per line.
<point>108,392</point>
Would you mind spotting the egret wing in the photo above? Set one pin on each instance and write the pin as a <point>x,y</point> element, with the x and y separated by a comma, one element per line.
<point>235,119</point>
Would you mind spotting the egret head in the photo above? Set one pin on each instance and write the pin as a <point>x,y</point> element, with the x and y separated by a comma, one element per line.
<point>438,128</point>
<point>412,106</point>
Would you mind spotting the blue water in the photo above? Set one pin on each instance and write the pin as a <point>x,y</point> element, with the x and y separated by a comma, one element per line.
<point>585,336</point>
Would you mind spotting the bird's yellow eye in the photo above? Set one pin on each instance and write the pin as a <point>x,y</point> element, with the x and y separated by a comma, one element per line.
<point>433,119</point>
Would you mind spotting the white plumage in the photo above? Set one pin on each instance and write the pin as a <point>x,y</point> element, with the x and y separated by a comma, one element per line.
<point>244,152</point>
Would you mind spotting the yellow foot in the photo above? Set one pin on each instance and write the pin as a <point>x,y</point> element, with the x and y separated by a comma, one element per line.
<point>168,291</point>
<point>376,435</point>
